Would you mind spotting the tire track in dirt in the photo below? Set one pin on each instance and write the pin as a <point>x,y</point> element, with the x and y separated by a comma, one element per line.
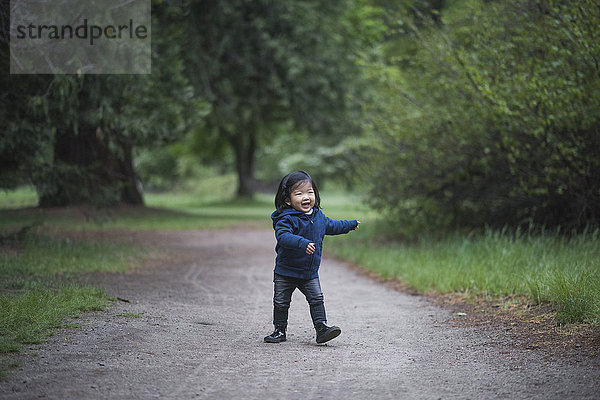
<point>203,372</point>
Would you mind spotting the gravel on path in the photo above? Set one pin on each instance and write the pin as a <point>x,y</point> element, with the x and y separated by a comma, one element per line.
<point>193,327</point>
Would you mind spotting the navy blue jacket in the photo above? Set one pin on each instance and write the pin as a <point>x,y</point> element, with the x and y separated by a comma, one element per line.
<point>294,230</point>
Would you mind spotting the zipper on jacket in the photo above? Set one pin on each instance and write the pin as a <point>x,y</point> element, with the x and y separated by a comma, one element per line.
<point>312,234</point>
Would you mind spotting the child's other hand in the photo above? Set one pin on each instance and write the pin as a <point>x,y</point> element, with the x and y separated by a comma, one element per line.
<point>357,225</point>
<point>310,248</point>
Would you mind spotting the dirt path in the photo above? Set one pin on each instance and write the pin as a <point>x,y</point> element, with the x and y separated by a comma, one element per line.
<point>206,308</point>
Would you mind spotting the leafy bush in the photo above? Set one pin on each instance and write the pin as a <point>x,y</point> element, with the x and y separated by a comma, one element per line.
<point>157,169</point>
<point>493,120</point>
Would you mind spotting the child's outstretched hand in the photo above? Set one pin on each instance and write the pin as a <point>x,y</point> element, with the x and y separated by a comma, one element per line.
<point>310,248</point>
<point>357,225</point>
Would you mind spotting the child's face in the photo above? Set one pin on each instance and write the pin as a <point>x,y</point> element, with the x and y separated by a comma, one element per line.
<point>302,197</point>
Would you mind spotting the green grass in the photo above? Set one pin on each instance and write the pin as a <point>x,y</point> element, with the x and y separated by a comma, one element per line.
<point>38,289</point>
<point>172,211</point>
<point>545,268</point>
<point>215,216</point>
<point>19,198</point>
<point>206,204</point>
<point>31,317</point>
<point>36,284</point>
<point>42,257</point>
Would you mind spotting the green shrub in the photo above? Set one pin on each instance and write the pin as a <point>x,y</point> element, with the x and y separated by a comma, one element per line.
<point>493,120</point>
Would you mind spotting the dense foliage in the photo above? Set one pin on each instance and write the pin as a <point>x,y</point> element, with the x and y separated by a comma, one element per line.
<point>476,112</point>
<point>229,75</point>
<point>73,136</point>
<point>492,116</point>
<point>269,68</point>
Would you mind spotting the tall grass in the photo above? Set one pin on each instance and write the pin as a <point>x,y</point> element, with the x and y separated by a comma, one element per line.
<point>547,267</point>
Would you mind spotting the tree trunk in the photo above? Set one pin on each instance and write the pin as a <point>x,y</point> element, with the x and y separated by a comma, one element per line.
<point>244,145</point>
<point>85,171</point>
<point>130,191</point>
<point>70,180</point>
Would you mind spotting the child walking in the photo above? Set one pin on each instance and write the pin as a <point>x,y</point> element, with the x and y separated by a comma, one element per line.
<point>300,227</point>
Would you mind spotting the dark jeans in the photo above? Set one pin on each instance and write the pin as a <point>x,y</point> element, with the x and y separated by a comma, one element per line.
<point>285,286</point>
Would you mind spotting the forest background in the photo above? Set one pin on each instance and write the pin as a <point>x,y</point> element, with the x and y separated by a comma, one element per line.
<point>461,113</point>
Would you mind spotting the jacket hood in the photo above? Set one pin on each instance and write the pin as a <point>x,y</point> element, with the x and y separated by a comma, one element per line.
<point>277,215</point>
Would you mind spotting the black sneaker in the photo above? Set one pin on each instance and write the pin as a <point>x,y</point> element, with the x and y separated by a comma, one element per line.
<point>326,333</point>
<point>277,336</point>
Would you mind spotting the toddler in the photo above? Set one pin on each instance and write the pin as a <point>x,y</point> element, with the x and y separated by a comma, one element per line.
<point>300,227</point>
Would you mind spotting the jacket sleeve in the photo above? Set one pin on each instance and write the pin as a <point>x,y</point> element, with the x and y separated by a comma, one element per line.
<point>335,227</point>
<point>284,233</point>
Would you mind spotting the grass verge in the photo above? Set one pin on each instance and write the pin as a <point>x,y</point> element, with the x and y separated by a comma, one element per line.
<point>32,316</point>
<point>39,288</point>
<point>546,268</point>
<point>159,215</point>
<point>21,197</point>
<point>39,256</point>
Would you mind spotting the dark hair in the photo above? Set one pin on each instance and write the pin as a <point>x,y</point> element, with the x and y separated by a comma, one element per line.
<point>288,183</point>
